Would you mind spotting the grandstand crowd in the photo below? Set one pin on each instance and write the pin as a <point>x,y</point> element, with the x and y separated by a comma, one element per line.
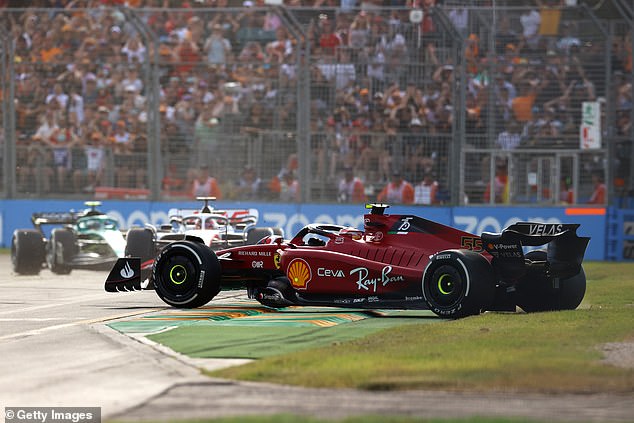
<point>382,93</point>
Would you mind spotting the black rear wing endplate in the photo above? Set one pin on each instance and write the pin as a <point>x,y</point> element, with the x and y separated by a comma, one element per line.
<point>564,248</point>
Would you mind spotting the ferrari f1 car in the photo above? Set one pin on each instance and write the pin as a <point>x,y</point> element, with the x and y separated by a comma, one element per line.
<point>83,239</point>
<point>213,227</point>
<point>396,262</point>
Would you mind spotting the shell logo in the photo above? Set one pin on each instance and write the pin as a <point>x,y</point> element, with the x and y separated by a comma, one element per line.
<point>299,273</point>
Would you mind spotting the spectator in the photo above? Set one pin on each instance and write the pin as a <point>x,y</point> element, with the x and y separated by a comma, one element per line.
<point>189,56</point>
<point>228,20</point>
<point>460,19</point>
<point>131,82</point>
<point>122,148</point>
<point>566,193</point>
<point>351,189</point>
<point>249,185</point>
<point>522,105</point>
<point>289,188</point>
<point>328,39</point>
<point>568,40</point>
<point>206,136</point>
<point>599,193</point>
<point>341,71</point>
<point>510,138</point>
<point>134,50</point>
<point>89,176</point>
<point>499,185</point>
<point>30,165</point>
<point>205,185</point>
<point>359,33</point>
<point>425,192</point>
<point>58,96</point>
<point>530,21</point>
<point>29,104</point>
<point>217,47</point>
<point>398,191</point>
<point>252,52</point>
<point>280,50</point>
<point>61,141</point>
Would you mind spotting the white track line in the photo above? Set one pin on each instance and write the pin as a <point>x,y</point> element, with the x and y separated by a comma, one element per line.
<point>39,331</point>
<point>75,300</point>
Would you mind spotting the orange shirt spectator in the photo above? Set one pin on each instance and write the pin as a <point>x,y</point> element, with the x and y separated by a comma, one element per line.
<point>472,52</point>
<point>523,107</point>
<point>398,191</point>
<point>48,55</point>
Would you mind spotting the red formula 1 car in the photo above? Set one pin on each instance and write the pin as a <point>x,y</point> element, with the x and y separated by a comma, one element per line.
<point>396,262</point>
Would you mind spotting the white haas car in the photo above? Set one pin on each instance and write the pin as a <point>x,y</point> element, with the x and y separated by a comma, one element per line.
<point>213,227</point>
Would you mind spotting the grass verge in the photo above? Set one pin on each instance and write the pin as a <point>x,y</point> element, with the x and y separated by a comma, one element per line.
<point>541,352</point>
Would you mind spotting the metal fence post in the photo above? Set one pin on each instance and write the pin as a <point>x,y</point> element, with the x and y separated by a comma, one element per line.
<point>8,110</point>
<point>154,159</point>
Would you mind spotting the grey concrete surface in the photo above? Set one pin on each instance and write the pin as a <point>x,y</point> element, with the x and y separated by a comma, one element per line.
<point>56,351</point>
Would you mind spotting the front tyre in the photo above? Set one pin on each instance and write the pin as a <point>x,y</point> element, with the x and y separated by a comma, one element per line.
<point>140,243</point>
<point>60,251</point>
<point>458,283</point>
<point>27,251</point>
<point>186,274</point>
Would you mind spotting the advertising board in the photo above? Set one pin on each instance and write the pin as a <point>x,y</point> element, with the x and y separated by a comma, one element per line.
<point>16,214</point>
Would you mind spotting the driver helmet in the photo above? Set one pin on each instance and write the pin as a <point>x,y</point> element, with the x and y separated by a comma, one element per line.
<point>315,240</point>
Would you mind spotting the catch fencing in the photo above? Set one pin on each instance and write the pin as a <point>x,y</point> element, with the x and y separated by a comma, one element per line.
<point>280,103</point>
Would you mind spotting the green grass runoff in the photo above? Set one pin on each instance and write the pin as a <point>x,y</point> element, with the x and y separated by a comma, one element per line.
<point>541,352</point>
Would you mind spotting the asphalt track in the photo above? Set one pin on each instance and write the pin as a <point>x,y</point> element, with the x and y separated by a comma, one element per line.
<point>57,351</point>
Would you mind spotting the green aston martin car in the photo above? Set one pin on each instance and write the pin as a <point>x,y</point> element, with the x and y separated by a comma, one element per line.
<point>87,239</point>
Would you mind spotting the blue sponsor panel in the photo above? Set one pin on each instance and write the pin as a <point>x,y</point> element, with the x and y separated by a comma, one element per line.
<point>15,214</point>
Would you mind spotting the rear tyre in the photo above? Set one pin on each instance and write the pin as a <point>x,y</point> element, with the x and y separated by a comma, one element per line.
<point>535,293</point>
<point>140,243</point>
<point>255,235</point>
<point>186,274</point>
<point>27,251</point>
<point>60,251</point>
<point>458,283</point>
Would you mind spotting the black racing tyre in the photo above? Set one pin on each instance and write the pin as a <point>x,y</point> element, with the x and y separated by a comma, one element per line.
<point>458,283</point>
<point>27,251</point>
<point>255,235</point>
<point>186,274</point>
<point>140,243</point>
<point>60,250</point>
<point>278,231</point>
<point>535,293</point>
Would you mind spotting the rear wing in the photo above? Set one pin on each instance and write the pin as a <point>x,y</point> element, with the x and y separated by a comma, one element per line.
<point>564,248</point>
<point>65,217</point>
<point>55,218</point>
<point>235,216</point>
